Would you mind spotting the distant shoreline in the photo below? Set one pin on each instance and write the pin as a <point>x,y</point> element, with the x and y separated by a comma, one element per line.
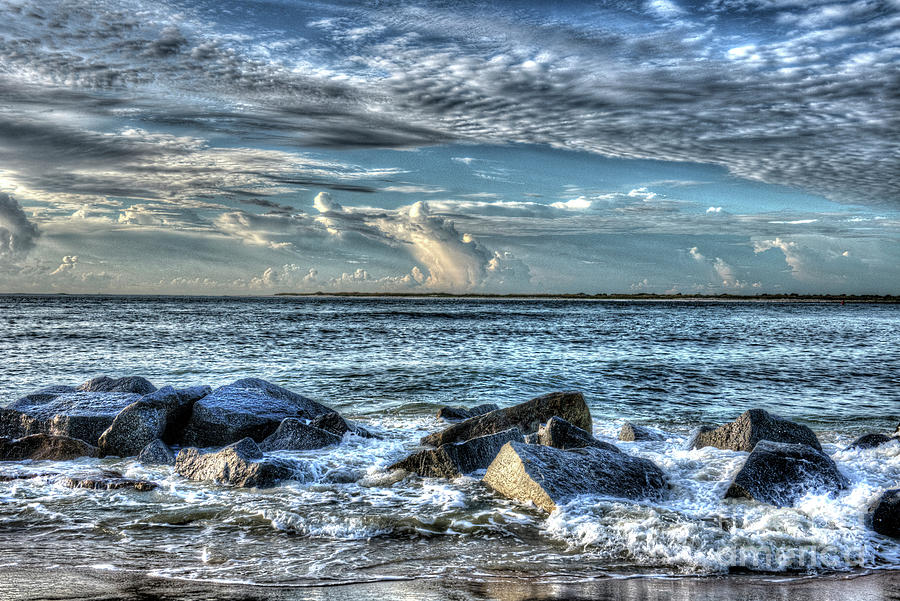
<point>850,298</point>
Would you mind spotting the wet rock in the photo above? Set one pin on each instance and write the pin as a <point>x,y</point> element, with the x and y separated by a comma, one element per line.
<point>247,408</point>
<point>753,426</point>
<point>460,413</point>
<point>549,477</point>
<point>129,384</point>
<point>157,453</point>
<point>779,473</point>
<point>40,447</point>
<point>162,414</point>
<point>560,434</point>
<point>15,424</point>
<point>240,464</point>
<point>527,417</point>
<point>631,432</point>
<point>23,476</point>
<point>106,480</point>
<point>456,459</point>
<point>869,441</point>
<point>886,514</point>
<point>334,423</point>
<point>294,435</point>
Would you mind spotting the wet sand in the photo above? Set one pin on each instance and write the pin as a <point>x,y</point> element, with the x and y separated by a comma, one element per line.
<point>18,584</point>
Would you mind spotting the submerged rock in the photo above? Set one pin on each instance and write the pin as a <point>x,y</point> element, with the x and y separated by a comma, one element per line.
<point>869,441</point>
<point>294,435</point>
<point>886,513</point>
<point>161,414</point>
<point>15,424</point>
<point>460,413</point>
<point>240,464</point>
<point>129,384</point>
<point>560,434</point>
<point>247,408</point>
<point>106,480</point>
<point>549,477</point>
<point>527,417</point>
<point>334,423</point>
<point>40,447</point>
<point>779,473</point>
<point>631,432</point>
<point>157,453</point>
<point>753,426</point>
<point>456,459</point>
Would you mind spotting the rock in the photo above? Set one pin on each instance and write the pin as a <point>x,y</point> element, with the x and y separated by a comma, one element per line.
<point>560,434</point>
<point>527,417</point>
<point>129,384</point>
<point>157,453</point>
<point>532,438</point>
<point>44,447</point>
<point>106,480</point>
<point>549,477</point>
<point>294,435</point>
<point>15,424</point>
<point>460,413</point>
<point>886,514</point>
<point>161,414</point>
<point>631,432</point>
<point>869,441</point>
<point>247,408</point>
<point>753,426</point>
<point>779,473</point>
<point>239,464</point>
<point>455,459</point>
<point>334,423</point>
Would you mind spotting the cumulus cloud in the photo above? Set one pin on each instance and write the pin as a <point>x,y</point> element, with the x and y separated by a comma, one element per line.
<point>17,233</point>
<point>68,264</point>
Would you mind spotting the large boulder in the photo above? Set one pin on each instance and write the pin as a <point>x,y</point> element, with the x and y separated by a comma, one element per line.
<point>40,447</point>
<point>453,414</point>
<point>560,434</point>
<point>294,435</point>
<point>753,426</point>
<point>549,477</point>
<point>632,432</point>
<point>527,417</point>
<point>247,408</point>
<point>456,459</point>
<point>886,513</point>
<point>779,473</point>
<point>239,464</point>
<point>157,453</point>
<point>15,424</point>
<point>869,441</point>
<point>129,384</point>
<point>161,414</point>
<point>334,423</point>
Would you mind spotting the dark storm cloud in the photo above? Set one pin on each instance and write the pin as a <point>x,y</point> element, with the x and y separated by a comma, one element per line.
<point>17,233</point>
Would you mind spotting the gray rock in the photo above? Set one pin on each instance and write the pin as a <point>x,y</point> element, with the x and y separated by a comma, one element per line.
<point>456,459</point>
<point>240,464</point>
<point>45,394</point>
<point>779,473</point>
<point>129,384</point>
<point>549,477</point>
<point>632,432</point>
<point>15,424</point>
<point>886,513</point>
<point>157,453</point>
<point>334,423</point>
<point>753,426</point>
<point>560,434</point>
<point>161,414</point>
<point>527,417</point>
<point>532,438</point>
<point>44,447</point>
<point>294,435</point>
<point>460,413</point>
<point>869,441</point>
<point>247,408</point>
<point>106,480</point>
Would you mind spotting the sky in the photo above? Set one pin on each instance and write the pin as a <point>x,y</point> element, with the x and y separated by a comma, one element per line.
<point>668,146</point>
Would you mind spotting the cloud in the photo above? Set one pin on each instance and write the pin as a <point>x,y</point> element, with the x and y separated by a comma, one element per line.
<point>17,233</point>
<point>68,264</point>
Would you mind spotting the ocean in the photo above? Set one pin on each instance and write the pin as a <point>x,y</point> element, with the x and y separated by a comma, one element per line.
<point>391,363</point>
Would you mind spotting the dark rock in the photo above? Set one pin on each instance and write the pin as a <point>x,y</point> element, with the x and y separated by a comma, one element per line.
<point>129,384</point>
<point>779,473</point>
<point>886,514</point>
<point>24,476</point>
<point>869,441</point>
<point>45,394</point>
<point>15,424</point>
<point>631,432</point>
<point>527,417</point>
<point>294,435</point>
<point>161,414</point>
<point>753,426</point>
<point>247,408</point>
<point>460,413</point>
<point>549,477</point>
<point>239,464</point>
<point>334,423</point>
<point>106,480</point>
<point>157,453</point>
<point>45,447</point>
<point>560,434</point>
<point>455,459</point>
